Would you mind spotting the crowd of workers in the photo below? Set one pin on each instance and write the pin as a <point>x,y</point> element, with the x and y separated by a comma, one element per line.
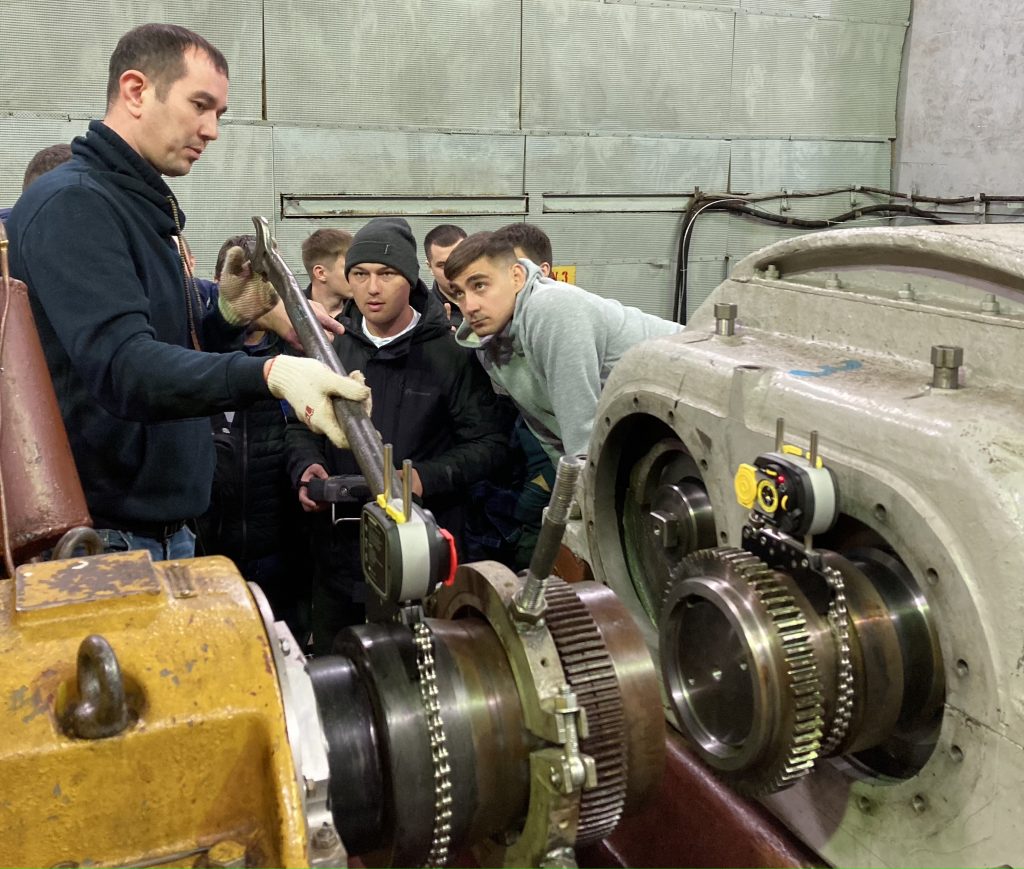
<point>195,424</point>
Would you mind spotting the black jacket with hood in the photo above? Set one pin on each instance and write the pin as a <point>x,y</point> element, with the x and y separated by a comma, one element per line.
<point>431,400</point>
<point>94,239</point>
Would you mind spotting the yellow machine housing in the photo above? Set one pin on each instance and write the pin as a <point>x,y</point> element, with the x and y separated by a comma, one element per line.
<point>202,700</point>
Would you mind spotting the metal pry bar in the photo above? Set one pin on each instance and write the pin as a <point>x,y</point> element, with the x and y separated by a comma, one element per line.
<point>364,440</point>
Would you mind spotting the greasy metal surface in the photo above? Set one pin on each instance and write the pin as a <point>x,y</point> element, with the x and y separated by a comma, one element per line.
<point>665,494</point>
<point>44,496</point>
<point>207,757</point>
<point>596,643</point>
<point>935,474</point>
<point>695,820</point>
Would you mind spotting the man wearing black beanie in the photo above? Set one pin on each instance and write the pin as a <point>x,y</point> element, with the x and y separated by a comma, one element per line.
<point>431,400</point>
<point>387,241</point>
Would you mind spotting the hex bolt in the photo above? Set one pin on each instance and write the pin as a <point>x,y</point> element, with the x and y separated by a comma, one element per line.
<point>325,838</point>
<point>665,528</point>
<point>907,292</point>
<point>833,283</point>
<point>990,304</point>
<point>725,318</point>
<point>771,272</point>
<point>946,362</point>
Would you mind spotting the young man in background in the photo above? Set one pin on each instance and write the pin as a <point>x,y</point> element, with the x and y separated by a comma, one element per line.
<point>437,244</point>
<point>323,255</point>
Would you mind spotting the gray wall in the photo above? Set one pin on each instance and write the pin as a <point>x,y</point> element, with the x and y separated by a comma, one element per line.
<point>961,121</point>
<point>593,118</point>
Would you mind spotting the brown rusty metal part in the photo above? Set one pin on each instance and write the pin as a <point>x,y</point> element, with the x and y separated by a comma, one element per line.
<point>696,820</point>
<point>571,567</point>
<point>41,488</point>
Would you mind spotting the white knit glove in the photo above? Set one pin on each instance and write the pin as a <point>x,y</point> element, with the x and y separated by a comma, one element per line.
<point>308,386</point>
<point>244,296</point>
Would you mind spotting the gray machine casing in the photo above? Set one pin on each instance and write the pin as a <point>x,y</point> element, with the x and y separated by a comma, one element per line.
<point>834,333</point>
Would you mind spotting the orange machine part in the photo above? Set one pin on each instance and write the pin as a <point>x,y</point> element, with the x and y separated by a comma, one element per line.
<point>41,488</point>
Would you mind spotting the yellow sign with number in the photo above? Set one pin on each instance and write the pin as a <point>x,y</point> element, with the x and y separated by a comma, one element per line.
<point>565,274</point>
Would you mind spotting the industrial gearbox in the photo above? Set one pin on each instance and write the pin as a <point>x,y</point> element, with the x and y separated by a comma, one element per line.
<point>813,500</point>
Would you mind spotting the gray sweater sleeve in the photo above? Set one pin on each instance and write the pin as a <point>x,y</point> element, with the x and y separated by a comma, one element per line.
<point>563,337</point>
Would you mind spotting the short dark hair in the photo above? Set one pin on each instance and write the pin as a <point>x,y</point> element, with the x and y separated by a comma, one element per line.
<point>530,239</point>
<point>444,235</point>
<point>479,244</point>
<point>324,246</point>
<point>158,51</point>
<point>246,241</point>
<point>45,160</point>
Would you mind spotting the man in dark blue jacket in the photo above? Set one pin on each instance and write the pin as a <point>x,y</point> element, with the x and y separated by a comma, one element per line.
<point>126,339</point>
<point>433,402</point>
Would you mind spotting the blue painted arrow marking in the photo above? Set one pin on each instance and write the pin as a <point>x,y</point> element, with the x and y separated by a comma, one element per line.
<point>829,370</point>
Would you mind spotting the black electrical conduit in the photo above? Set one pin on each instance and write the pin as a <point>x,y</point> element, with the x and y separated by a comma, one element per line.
<point>741,204</point>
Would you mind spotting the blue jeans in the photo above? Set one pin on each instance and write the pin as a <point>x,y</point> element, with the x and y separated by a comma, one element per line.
<point>181,544</point>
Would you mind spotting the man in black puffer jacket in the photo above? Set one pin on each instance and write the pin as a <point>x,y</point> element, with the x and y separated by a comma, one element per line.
<point>431,400</point>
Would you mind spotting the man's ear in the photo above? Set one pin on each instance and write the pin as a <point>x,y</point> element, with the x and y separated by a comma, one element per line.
<point>545,269</point>
<point>518,276</point>
<point>318,273</point>
<point>133,85</point>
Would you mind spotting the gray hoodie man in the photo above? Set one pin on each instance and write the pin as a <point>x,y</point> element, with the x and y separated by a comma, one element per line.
<point>550,346</point>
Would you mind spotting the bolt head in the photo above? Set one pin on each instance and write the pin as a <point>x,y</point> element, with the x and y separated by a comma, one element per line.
<point>946,356</point>
<point>325,838</point>
<point>725,311</point>
<point>665,528</point>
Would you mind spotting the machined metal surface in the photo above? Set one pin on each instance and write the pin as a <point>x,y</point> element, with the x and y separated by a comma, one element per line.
<point>746,645</point>
<point>666,515</point>
<point>739,666</point>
